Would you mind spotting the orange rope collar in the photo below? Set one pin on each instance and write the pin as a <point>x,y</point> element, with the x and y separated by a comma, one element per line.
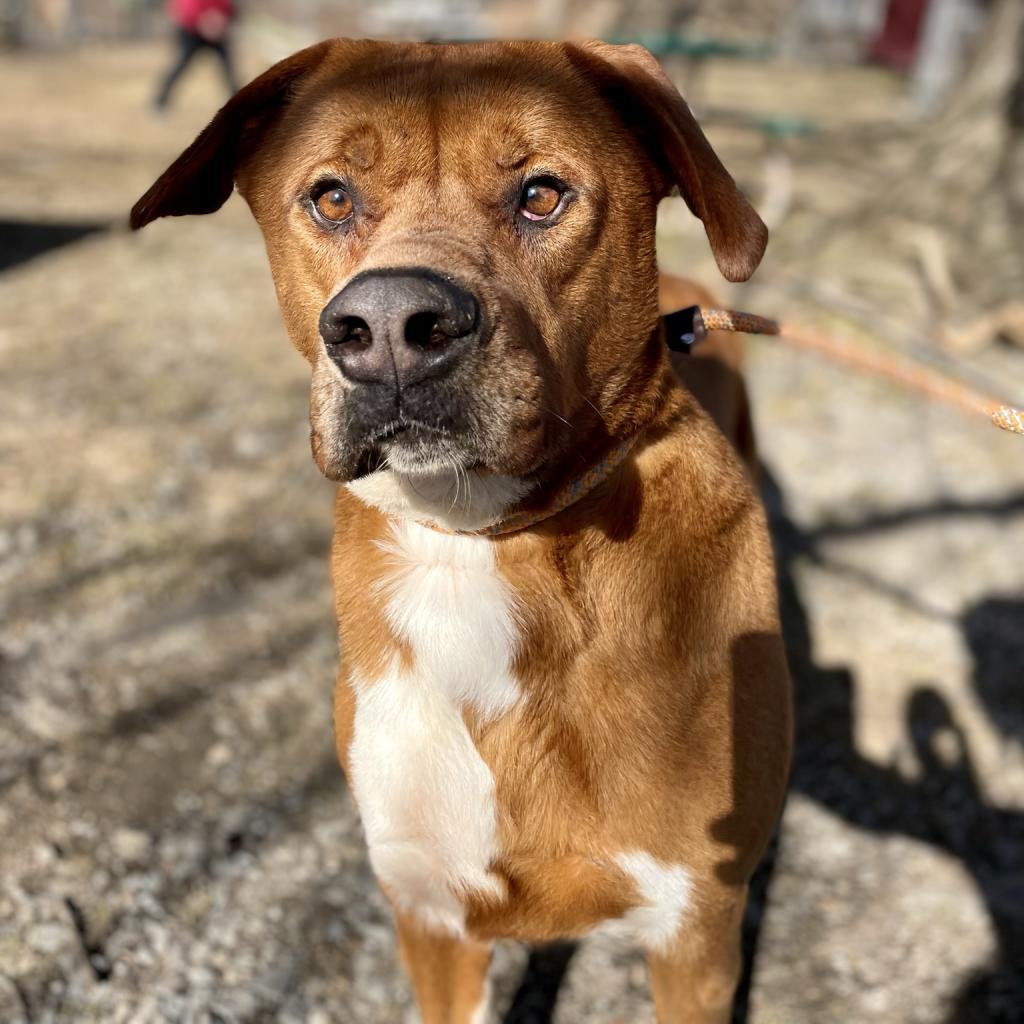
<point>569,495</point>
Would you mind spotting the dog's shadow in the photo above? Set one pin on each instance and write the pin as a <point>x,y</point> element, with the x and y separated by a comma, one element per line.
<point>946,806</point>
<point>537,994</point>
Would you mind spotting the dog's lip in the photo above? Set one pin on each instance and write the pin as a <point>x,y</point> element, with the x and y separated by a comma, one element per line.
<point>401,425</point>
<point>386,432</point>
<point>372,458</point>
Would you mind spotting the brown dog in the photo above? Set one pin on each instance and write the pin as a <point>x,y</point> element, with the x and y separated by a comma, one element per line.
<point>563,696</point>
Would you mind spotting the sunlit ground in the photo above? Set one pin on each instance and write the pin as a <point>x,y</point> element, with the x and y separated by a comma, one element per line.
<point>175,836</point>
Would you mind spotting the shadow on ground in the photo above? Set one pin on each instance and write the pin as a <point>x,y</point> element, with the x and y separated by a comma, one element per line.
<point>945,807</point>
<point>22,240</point>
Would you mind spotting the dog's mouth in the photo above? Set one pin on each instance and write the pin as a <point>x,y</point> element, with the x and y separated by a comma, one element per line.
<point>369,462</point>
<point>395,428</point>
<point>411,446</point>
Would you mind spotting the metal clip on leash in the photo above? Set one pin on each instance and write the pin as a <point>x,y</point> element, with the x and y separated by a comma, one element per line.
<point>687,328</point>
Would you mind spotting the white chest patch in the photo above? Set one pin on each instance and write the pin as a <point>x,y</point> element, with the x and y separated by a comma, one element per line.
<point>667,892</point>
<point>425,795</point>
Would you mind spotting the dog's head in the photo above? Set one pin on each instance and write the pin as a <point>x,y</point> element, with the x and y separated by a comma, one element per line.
<point>462,241</point>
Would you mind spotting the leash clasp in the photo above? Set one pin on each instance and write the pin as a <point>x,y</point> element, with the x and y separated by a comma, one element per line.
<point>684,329</point>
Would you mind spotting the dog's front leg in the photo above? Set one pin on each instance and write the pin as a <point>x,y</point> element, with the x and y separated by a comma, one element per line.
<point>449,975</point>
<point>694,980</point>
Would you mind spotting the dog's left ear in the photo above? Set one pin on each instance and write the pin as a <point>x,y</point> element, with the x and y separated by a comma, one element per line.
<point>201,179</point>
<point>649,104</point>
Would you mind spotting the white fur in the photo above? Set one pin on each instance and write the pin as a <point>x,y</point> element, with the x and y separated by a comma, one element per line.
<point>447,600</point>
<point>464,500</point>
<point>666,890</point>
<point>425,794</point>
<point>482,1013</point>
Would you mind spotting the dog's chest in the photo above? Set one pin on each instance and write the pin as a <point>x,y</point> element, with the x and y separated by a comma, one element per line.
<point>425,795</point>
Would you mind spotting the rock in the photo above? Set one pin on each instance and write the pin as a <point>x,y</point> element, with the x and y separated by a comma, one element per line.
<point>132,846</point>
<point>50,938</point>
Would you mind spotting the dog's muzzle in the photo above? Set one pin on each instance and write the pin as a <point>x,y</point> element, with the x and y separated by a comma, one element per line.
<point>406,342</point>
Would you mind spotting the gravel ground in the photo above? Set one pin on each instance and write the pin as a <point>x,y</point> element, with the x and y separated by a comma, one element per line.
<point>176,841</point>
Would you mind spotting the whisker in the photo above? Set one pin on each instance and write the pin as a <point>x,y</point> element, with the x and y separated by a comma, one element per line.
<point>551,412</point>
<point>572,385</point>
<point>469,489</point>
<point>458,481</point>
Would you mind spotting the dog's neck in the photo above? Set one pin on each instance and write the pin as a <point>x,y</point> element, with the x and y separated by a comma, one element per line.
<point>463,501</point>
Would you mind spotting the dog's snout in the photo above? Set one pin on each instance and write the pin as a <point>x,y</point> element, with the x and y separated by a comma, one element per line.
<point>399,325</point>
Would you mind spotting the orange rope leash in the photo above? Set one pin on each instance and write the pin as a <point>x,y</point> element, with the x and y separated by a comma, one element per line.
<point>896,368</point>
<point>733,320</point>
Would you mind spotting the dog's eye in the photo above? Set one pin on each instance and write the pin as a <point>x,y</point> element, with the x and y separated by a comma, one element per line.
<point>541,198</point>
<point>333,203</point>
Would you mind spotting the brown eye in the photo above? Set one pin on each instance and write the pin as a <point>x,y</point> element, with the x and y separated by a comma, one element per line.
<point>334,204</point>
<point>540,199</point>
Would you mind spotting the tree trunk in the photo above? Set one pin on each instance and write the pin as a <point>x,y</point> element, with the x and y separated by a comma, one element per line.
<point>944,198</point>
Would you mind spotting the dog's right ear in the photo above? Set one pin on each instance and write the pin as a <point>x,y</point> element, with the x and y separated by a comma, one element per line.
<point>201,179</point>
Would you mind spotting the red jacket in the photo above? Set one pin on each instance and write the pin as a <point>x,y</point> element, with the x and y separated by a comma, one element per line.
<point>187,13</point>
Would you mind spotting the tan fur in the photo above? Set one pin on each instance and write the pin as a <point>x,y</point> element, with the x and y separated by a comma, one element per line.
<point>655,710</point>
<point>448,975</point>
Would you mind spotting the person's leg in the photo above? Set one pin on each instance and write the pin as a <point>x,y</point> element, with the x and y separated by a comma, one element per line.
<point>223,51</point>
<point>188,44</point>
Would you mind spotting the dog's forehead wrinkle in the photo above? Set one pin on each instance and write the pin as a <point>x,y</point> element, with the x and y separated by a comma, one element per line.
<point>361,145</point>
<point>531,80</point>
<point>407,118</point>
<point>512,159</point>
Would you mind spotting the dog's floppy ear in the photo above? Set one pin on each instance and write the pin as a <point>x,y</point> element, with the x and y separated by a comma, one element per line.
<point>201,179</point>
<point>633,81</point>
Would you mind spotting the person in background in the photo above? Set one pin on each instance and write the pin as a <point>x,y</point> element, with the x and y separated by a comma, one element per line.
<point>897,43</point>
<point>200,25</point>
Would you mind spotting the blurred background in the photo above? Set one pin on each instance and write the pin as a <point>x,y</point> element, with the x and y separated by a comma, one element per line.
<point>176,840</point>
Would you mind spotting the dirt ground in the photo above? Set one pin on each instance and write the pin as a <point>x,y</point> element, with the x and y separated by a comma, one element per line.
<point>176,839</point>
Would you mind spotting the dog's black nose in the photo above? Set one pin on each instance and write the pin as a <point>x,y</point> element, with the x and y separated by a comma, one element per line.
<point>399,326</point>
